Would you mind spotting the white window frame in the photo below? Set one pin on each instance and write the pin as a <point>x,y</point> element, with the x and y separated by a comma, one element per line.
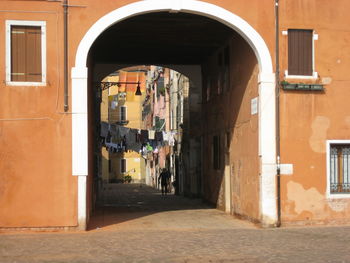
<point>328,150</point>
<point>126,113</point>
<point>126,165</point>
<point>42,24</point>
<point>314,73</point>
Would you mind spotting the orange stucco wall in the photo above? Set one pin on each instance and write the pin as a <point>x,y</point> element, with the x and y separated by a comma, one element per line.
<point>308,119</point>
<point>37,188</point>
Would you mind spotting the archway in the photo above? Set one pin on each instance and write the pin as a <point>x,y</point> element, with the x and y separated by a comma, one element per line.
<point>266,103</point>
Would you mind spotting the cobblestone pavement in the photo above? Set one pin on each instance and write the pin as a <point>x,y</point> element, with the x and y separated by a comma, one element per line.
<point>137,224</point>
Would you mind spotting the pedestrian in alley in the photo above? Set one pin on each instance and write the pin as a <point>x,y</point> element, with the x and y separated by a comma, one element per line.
<point>164,179</point>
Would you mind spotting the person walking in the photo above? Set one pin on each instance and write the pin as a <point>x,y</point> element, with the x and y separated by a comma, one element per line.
<point>164,179</point>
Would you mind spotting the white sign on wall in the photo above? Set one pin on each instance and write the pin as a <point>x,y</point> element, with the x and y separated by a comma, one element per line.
<point>254,106</point>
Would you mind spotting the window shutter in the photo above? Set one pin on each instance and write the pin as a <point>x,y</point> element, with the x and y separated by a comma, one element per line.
<point>33,61</point>
<point>18,49</point>
<point>300,52</point>
<point>26,53</point>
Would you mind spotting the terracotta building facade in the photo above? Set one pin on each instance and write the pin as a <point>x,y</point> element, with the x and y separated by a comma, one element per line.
<point>269,110</point>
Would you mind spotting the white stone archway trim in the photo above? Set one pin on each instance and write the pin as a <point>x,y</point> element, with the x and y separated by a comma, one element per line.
<point>267,126</point>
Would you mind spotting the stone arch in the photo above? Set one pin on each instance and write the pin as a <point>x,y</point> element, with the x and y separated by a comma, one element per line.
<point>267,135</point>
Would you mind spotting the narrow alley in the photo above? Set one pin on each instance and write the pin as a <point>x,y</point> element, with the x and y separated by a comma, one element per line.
<point>138,224</point>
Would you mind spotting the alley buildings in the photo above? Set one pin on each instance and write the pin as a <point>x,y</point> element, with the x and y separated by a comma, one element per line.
<point>266,131</point>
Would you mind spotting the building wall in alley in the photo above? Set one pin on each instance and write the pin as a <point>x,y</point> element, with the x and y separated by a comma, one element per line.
<point>123,96</point>
<point>231,142</point>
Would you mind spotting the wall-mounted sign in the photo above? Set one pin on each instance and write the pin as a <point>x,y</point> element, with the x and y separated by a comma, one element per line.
<point>254,106</point>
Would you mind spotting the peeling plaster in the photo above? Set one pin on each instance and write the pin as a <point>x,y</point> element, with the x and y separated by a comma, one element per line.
<point>337,205</point>
<point>318,138</point>
<point>305,200</point>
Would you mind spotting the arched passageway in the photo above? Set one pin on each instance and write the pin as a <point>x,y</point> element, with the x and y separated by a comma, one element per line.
<point>206,36</point>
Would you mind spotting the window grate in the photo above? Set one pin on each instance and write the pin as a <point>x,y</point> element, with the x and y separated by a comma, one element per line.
<point>339,169</point>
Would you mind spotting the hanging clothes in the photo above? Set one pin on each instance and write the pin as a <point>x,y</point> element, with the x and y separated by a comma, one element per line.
<point>144,136</point>
<point>123,131</point>
<point>159,136</point>
<point>165,136</point>
<point>172,138</point>
<point>151,134</point>
<point>114,131</point>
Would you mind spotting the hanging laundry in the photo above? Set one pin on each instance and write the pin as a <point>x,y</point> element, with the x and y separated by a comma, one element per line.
<point>149,148</point>
<point>159,136</point>
<point>165,136</point>
<point>114,130</point>
<point>144,136</point>
<point>131,138</point>
<point>172,138</point>
<point>151,134</point>
<point>123,131</point>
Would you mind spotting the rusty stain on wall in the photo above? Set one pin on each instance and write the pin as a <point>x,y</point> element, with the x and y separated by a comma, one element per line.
<point>305,200</point>
<point>318,137</point>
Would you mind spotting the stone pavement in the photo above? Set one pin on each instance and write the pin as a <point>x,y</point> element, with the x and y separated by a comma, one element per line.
<point>137,224</point>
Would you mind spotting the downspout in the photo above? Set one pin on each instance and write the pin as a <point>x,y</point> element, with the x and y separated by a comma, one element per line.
<point>278,146</point>
<point>65,40</point>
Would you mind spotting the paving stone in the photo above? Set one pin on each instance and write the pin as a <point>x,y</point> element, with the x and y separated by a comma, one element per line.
<point>137,224</point>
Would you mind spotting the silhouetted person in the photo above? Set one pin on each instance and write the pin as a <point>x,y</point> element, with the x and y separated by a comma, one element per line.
<point>164,179</point>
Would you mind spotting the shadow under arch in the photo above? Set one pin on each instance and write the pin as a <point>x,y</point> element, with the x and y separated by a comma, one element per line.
<point>267,137</point>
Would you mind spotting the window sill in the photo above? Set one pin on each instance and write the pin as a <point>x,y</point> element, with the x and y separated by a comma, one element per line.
<point>313,77</point>
<point>338,196</point>
<point>23,84</point>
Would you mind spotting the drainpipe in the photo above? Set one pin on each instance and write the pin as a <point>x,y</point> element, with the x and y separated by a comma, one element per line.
<point>65,40</point>
<point>278,149</point>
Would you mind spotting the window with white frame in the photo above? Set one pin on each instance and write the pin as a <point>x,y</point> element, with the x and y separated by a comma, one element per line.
<point>25,52</point>
<point>338,168</point>
<point>301,53</point>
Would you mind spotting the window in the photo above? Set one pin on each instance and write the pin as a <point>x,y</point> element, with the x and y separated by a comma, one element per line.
<point>300,53</point>
<point>338,168</point>
<point>122,166</point>
<point>25,53</point>
<point>216,152</point>
<point>122,116</point>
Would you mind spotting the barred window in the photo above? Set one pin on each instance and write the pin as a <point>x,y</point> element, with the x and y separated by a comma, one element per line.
<point>339,168</point>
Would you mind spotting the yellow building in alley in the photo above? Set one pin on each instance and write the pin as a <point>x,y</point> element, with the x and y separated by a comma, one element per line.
<point>122,108</point>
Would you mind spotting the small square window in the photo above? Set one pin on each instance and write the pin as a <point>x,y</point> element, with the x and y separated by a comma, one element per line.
<point>25,53</point>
